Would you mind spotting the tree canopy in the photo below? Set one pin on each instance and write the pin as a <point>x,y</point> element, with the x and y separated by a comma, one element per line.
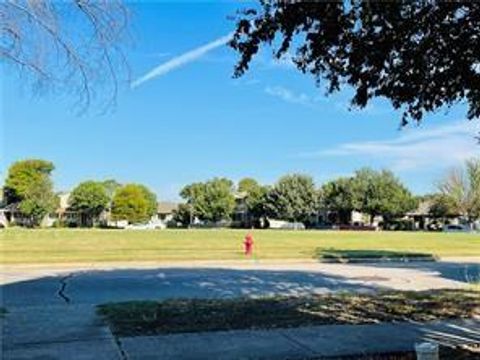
<point>134,203</point>
<point>368,191</point>
<point>381,193</point>
<point>255,196</point>
<point>22,175</point>
<point>340,196</point>
<point>110,186</point>
<point>420,55</point>
<point>460,190</point>
<point>441,205</point>
<point>28,183</point>
<point>89,198</point>
<point>211,200</point>
<point>293,198</point>
<point>183,214</point>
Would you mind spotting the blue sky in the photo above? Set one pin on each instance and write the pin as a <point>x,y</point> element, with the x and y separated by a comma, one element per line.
<point>194,121</point>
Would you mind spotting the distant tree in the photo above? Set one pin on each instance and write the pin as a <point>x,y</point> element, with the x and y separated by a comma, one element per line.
<point>73,45</point>
<point>339,196</point>
<point>89,198</point>
<point>110,187</point>
<point>28,183</point>
<point>22,175</point>
<point>293,198</point>
<point>255,197</point>
<point>38,201</point>
<point>381,193</point>
<point>461,190</point>
<point>151,200</point>
<point>441,206</point>
<point>183,214</point>
<point>420,55</point>
<point>134,203</point>
<point>210,201</point>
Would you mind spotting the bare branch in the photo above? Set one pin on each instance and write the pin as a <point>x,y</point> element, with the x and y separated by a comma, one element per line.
<point>74,46</point>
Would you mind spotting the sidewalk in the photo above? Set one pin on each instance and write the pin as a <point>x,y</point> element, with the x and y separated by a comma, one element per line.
<point>300,343</point>
<point>75,332</point>
<point>60,332</point>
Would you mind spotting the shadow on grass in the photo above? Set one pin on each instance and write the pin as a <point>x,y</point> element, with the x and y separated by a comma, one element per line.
<point>200,315</point>
<point>367,256</point>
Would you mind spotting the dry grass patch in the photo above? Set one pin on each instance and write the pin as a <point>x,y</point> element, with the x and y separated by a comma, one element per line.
<point>138,318</point>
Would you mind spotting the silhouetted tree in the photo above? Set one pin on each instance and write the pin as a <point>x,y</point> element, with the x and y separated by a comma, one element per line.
<point>420,55</point>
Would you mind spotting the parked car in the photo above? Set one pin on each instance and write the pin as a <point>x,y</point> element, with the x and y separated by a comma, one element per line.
<point>456,228</point>
<point>286,225</point>
<point>152,225</point>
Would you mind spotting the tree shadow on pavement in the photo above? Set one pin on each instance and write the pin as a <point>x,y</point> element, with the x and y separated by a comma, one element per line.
<point>99,286</point>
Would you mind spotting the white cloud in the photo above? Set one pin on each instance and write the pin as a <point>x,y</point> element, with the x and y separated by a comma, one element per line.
<point>290,96</point>
<point>182,60</point>
<point>416,149</point>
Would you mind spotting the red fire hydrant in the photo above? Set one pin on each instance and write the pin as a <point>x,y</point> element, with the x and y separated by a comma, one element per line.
<point>248,244</point>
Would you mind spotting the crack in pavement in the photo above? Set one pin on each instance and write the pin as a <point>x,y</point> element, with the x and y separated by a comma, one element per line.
<point>63,286</point>
<point>298,343</point>
<point>123,354</point>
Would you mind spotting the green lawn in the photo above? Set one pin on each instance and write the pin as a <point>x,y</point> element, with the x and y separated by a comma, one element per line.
<point>77,245</point>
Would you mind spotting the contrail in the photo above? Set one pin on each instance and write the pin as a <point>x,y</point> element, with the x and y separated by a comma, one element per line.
<point>181,60</point>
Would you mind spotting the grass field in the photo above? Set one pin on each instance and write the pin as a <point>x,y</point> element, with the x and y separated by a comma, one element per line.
<point>77,245</point>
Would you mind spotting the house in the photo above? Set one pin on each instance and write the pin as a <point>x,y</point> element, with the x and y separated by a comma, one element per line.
<point>424,219</point>
<point>73,218</point>
<point>165,210</point>
<point>241,217</point>
<point>65,214</point>
<point>421,217</point>
<point>347,220</point>
<point>164,215</point>
<point>12,215</point>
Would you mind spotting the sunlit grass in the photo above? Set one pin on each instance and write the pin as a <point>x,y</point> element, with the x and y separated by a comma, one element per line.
<point>93,245</point>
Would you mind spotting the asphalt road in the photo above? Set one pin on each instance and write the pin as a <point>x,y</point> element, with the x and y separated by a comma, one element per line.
<point>69,286</point>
